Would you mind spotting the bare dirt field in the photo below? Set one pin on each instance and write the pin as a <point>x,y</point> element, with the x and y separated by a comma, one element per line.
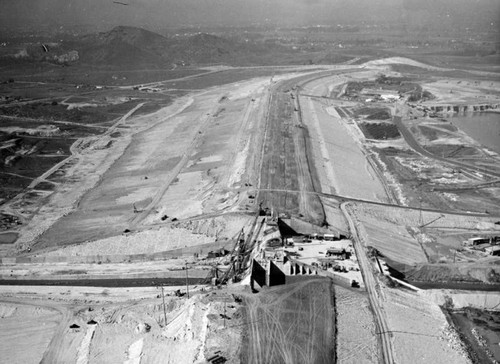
<point>420,331</point>
<point>436,249</point>
<point>294,323</point>
<point>191,174</point>
<point>26,331</point>
<point>55,136</point>
<point>158,173</point>
<point>356,331</point>
<point>88,325</point>
<point>336,149</point>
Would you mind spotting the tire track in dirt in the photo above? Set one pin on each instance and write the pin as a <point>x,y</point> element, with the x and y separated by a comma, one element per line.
<point>291,324</point>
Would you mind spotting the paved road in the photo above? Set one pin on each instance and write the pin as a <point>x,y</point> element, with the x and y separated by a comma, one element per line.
<point>370,283</point>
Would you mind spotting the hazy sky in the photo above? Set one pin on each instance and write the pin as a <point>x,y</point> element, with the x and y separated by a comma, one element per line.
<point>164,13</point>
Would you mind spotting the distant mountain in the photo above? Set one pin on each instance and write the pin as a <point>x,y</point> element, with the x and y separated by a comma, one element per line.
<point>124,47</point>
<point>137,37</point>
<point>136,47</point>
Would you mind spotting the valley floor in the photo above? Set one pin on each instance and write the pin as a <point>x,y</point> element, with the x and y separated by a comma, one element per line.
<point>183,182</point>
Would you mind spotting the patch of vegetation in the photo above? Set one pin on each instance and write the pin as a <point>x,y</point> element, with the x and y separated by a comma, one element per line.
<point>151,107</point>
<point>380,115</point>
<point>380,131</point>
<point>49,112</point>
<point>420,94</point>
<point>372,252</point>
<point>373,113</point>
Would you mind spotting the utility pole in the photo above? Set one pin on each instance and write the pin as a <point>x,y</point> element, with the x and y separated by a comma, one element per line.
<point>420,214</point>
<point>187,284</point>
<point>224,313</point>
<point>164,310</point>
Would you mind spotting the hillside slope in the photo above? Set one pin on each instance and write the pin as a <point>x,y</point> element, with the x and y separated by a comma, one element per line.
<point>135,47</point>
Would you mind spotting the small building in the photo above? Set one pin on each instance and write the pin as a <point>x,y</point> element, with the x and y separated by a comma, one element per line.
<point>476,241</point>
<point>493,250</point>
<point>337,253</point>
<point>329,237</point>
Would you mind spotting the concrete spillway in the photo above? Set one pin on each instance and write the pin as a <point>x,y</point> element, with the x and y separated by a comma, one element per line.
<point>462,109</point>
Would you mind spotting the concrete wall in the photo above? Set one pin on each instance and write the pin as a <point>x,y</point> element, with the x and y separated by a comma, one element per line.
<point>294,268</point>
<point>258,275</point>
<point>274,275</point>
<point>462,109</point>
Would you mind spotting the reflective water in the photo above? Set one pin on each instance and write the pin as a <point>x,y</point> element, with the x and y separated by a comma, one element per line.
<point>483,127</point>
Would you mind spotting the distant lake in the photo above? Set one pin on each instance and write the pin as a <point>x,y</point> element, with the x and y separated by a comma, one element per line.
<point>482,127</point>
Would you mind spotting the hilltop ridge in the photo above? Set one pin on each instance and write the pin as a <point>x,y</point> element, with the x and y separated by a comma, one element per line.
<point>136,47</point>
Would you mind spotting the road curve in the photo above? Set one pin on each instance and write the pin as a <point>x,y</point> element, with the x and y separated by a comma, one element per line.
<point>371,283</point>
<point>413,143</point>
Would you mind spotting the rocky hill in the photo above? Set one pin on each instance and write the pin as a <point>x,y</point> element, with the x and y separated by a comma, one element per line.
<point>135,47</point>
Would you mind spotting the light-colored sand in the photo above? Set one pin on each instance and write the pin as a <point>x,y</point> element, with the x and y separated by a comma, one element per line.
<point>419,330</point>
<point>356,332</point>
<point>135,352</point>
<point>384,63</point>
<point>149,241</point>
<point>130,326</point>
<point>25,332</point>
<point>342,165</point>
<point>386,229</point>
<point>84,349</point>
